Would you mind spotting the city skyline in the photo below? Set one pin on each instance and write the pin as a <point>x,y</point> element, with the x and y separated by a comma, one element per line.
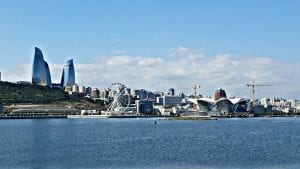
<point>158,45</point>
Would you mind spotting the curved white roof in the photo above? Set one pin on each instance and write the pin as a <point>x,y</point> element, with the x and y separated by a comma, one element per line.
<point>212,101</point>
<point>237,100</point>
<point>192,100</point>
<point>209,100</point>
<point>222,99</point>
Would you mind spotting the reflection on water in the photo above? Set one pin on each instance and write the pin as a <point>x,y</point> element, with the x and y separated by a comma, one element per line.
<point>261,143</point>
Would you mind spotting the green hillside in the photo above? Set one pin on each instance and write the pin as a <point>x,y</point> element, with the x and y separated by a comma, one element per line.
<point>19,93</point>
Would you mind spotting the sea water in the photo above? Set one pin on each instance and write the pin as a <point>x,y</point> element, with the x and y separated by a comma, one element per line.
<point>260,143</point>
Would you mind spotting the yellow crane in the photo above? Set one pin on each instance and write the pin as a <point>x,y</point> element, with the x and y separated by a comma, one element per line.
<point>194,88</point>
<point>253,85</point>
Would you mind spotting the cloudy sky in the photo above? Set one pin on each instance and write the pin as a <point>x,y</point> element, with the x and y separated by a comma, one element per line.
<point>158,44</point>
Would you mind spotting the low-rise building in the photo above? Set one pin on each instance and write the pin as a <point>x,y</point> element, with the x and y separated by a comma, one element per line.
<point>82,89</point>
<point>265,102</point>
<point>68,89</point>
<point>144,106</point>
<point>95,93</point>
<point>57,85</point>
<point>279,105</point>
<point>75,88</point>
<point>104,94</point>
<point>89,112</point>
<point>23,82</point>
<point>297,106</point>
<point>164,110</point>
<point>88,90</point>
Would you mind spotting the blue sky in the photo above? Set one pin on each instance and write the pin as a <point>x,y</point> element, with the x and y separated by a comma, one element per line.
<point>89,31</point>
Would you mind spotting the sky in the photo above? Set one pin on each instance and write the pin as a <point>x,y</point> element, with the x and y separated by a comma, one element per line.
<point>158,44</point>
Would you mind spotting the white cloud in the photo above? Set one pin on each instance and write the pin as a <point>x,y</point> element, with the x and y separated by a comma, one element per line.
<point>149,61</point>
<point>181,69</point>
<point>23,73</point>
<point>118,60</point>
<point>20,73</point>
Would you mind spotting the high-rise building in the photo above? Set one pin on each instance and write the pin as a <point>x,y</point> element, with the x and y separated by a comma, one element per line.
<point>68,74</point>
<point>40,70</point>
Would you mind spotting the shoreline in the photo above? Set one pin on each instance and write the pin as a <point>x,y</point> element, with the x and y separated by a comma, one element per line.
<point>31,117</point>
<point>131,116</point>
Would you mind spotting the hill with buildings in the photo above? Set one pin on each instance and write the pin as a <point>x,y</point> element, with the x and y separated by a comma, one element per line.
<point>11,93</point>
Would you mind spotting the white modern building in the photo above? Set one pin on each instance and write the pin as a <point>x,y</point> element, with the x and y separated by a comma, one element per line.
<point>75,88</point>
<point>222,105</point>
<point>168,100</point>
<point>82,89</point>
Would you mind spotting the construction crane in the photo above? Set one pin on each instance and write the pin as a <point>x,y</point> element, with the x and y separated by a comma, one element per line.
<point>253,85</point>
<point>195,87</point>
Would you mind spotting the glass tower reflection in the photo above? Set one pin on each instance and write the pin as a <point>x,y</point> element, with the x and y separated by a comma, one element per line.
<point>68,74</point>
<point>40,70</point>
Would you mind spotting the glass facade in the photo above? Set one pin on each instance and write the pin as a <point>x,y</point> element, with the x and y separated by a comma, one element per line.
<point>68,74</point>
<point>40,70</point>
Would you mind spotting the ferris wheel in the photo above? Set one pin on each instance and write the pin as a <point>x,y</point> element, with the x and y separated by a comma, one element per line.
<point>120,99</point>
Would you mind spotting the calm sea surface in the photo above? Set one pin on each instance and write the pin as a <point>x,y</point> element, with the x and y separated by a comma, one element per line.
<point>260,143</point>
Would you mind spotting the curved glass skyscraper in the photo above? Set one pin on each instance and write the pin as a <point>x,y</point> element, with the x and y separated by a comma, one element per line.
<point>40,70</point>
<point>68,74</point>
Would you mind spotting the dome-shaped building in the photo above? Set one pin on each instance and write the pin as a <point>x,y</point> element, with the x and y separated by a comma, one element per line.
<point>220,93</point>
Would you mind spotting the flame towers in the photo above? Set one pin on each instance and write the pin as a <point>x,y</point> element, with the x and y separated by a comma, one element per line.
<point>68,74</point>
<point>40,70</point>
